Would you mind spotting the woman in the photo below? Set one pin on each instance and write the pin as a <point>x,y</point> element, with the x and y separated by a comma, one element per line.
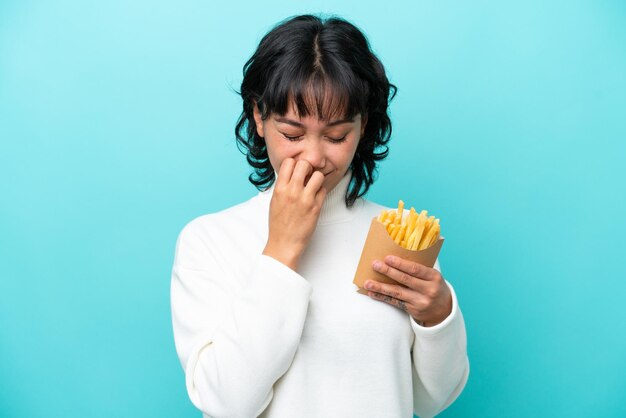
<point>266,318</point>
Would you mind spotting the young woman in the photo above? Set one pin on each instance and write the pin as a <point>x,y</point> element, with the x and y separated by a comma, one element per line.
<point>266,318</point>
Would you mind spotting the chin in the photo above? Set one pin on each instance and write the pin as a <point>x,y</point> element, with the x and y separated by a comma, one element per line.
<point>330,183</point>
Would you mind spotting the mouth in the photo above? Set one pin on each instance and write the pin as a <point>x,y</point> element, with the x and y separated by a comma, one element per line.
<point>308,177</point>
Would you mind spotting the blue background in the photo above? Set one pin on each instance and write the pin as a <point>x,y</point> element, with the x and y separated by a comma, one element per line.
<point>117,128</point>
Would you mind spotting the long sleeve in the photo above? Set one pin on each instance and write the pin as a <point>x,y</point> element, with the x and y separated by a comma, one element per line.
<point>235,338</point>
<point>440,362</point>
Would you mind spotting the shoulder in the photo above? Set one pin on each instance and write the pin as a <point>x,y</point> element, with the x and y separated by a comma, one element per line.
<point>232,216</point>
<point>371,208</point>
<point>212,233</point>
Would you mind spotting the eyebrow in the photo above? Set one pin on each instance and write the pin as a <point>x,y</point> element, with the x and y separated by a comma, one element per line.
<point>299,125</point>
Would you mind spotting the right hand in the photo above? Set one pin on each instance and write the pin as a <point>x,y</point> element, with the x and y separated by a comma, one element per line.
<point>294,211</point>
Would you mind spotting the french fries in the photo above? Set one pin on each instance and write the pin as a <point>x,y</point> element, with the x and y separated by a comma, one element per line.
<point>414,231</point>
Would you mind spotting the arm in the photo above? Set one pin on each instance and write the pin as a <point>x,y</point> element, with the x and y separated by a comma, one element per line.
<point>234,341</point>
<point>439,354</point>
<point>441,365</point>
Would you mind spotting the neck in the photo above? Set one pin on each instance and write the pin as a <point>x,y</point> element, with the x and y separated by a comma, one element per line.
<point>334,207</point>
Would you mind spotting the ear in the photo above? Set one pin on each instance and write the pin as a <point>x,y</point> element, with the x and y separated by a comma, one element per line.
<point>258,120</point>
<point>363,123</point>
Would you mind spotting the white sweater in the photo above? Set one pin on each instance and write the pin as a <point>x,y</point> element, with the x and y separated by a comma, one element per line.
<point>256,338</point>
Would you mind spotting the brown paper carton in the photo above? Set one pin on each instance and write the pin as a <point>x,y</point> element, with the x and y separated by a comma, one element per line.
<point>379,244</point>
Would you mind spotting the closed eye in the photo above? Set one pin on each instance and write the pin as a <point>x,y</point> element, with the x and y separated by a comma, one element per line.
<point>337,140</point>
<point>333,140</point>
<point>291,138</point>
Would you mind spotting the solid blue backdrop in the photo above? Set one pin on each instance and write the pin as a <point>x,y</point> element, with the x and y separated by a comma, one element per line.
<point>117,128</point>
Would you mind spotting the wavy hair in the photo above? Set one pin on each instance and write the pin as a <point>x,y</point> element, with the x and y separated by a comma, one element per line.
<point>327,67</point>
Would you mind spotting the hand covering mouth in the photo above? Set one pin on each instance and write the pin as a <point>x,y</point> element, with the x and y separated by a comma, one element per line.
<point>308,177</point>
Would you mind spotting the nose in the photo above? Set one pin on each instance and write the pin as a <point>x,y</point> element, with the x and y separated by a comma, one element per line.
<point>313,152</point>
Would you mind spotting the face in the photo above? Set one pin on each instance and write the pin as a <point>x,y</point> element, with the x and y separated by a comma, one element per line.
<point>328,146</point>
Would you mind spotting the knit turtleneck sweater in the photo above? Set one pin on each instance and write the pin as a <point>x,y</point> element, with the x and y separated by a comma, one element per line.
<point>256,338</point>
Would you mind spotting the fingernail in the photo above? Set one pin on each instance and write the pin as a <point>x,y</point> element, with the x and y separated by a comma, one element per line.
<point>377,265</point>
<point>368,285</point>
<point>390,259</point>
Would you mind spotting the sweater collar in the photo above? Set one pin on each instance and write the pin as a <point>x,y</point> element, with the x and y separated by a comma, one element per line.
<point>334,208</point>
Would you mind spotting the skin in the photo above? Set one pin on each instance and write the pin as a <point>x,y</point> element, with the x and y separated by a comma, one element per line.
<point>421,291</point>
<point>309,165</point>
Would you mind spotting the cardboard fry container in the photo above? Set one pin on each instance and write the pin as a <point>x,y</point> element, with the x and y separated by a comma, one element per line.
<point>379,244</point>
